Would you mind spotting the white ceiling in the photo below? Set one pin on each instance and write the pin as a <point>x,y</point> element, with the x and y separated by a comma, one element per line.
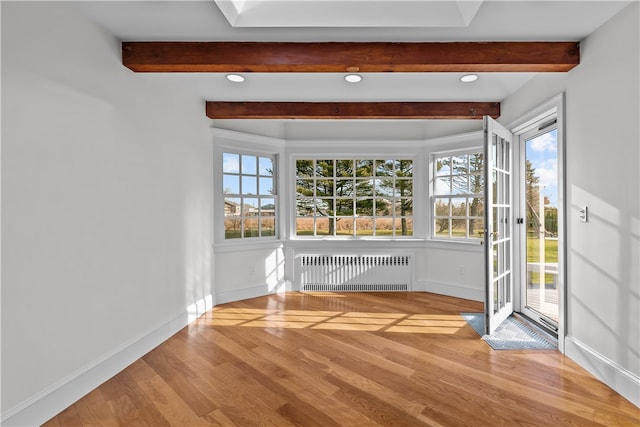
<point>349,13</point>
<point>492,21</point>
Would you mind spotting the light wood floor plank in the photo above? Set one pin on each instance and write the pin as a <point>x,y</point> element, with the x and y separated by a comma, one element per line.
<point>353,359</point>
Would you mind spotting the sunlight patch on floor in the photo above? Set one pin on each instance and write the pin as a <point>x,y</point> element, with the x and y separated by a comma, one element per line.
<point>443,324</point>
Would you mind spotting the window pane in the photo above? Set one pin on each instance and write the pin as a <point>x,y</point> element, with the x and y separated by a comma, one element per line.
<point>403,187</point>
<point>344,168</point>
<point>249,164</point>
<point>384,167</point>
<point>344,187</point>
<point>364,207</point>
<point>476,184</point>
<point>251,227</point>
<point>442,207</point>
<point>458,206</point>
<point>364,167</point>
<point>443,166</point>
<point>476,207</point>
<point>364,187</point>
<point>249,185</point>
<point>345,226</point>
<point>265,165</point>
<point>442,227</point>
<point>231,184</point>
<point>384,187</point>
<point>324,187</point>
<point>476,163</point>
<point>232,227</point>
<point>305,187</point>
<point>403,207</point>
<point>344,207</point>
<point>404,227</point>
<point>324,207</point>
<point>459,165</point>
<point>230,163</point>
<point>459,184</point>
<point>267,207</point>
<point>250,206</point>
<point>304,226</point>
<point>266,185</point>
<point>304,207</point>
<point>383,207</point>
<point>476,228</point>
<point>404,168</point>
<point>443,185</point>
<point>324,168</point>
<point>323,226</point>
<point>459,228</point>
<point>494,183</point>
<point>232,207</point>
<point>384,226</point>
<point>304,168</point>
<point>364,226</point>
<point>267,227</point>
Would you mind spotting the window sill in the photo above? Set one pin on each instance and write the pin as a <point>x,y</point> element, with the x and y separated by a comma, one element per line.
<point>458,245</point>
<point>242,245</point>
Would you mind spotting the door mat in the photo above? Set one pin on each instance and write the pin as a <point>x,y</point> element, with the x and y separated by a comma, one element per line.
<point>512,334</point>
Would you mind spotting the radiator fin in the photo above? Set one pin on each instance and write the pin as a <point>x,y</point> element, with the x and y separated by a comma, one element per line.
<point>355,273</point>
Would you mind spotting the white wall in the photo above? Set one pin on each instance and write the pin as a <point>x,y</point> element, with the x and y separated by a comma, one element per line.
<point>602,157</point>
<point>246,272</point>
<point>107,211</point>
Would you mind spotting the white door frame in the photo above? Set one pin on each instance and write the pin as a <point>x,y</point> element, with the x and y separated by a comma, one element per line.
<point>554,107</point>
<point>498,241</point>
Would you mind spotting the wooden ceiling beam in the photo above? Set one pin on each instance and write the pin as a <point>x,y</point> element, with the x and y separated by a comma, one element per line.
<point>339,57</point>
<point>352,110</point>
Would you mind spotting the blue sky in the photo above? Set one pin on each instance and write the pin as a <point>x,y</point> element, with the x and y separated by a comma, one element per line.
<point>542,152</point>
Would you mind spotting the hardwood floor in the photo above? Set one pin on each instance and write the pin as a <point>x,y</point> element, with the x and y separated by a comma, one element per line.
<point>392,359</point>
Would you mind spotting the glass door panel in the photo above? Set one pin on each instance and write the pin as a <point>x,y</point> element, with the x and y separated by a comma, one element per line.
<point>541,193</point>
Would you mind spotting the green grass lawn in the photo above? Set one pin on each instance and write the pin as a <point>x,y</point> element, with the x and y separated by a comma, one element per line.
<point>550,256</point>
<point>550,250</point>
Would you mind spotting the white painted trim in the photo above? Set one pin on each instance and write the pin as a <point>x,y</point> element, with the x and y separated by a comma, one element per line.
<point>449,289</point>
<point>555,106</point>
<point>231,135</point>
<point>349,147</point>
<point>52,400</point>
<point>244,245</point>
<point>462,141</point>
<point>623,381</point>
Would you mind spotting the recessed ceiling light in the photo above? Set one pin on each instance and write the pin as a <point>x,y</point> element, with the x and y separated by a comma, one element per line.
<point>468,78</point>
<point>236,78</point>
<point>353,78</point>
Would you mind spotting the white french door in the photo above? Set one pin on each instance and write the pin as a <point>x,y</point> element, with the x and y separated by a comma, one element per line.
<point>498,241</point>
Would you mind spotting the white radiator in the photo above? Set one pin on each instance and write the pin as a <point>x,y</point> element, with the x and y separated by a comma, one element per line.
<point>355,273</point>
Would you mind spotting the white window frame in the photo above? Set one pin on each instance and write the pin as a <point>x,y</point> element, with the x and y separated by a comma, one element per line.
<point>471,142</point>
<point>353,149</point>
<point>242,215</point>
<point>226,141</point>
<point>335,197</point>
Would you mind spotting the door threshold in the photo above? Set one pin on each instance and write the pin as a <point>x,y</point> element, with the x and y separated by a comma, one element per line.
<point>548,334</point>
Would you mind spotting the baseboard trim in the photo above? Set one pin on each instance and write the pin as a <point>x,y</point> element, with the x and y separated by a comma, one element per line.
<point>49,402</point>
<point>449,289</point>
<point>624,382</point>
